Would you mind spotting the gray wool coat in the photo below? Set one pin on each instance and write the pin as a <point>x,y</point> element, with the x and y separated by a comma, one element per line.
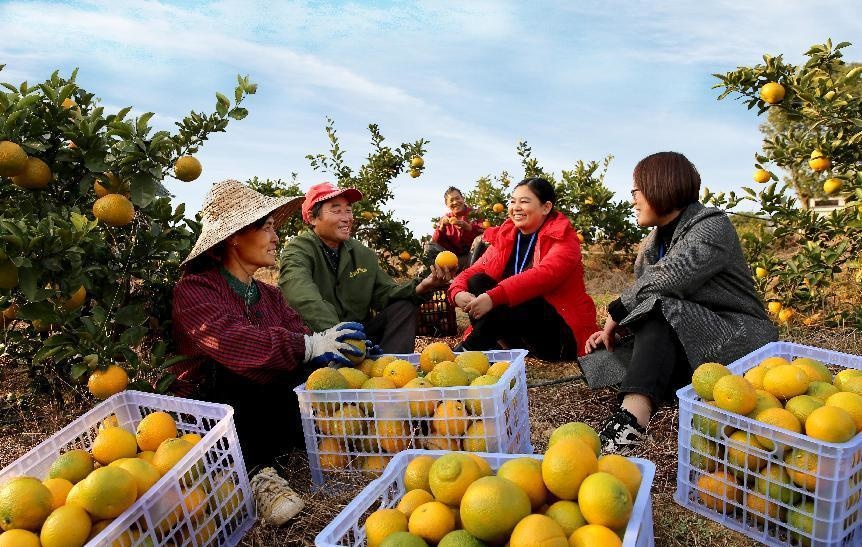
<point>705,290</point>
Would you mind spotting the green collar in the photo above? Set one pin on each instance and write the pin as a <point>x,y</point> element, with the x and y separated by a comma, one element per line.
<point>250,294</point>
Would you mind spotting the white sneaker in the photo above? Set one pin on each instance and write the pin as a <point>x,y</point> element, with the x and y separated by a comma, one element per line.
<point>276,501</point>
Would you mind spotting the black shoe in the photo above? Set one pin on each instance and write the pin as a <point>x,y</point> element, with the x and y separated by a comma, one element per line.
<point>621,432</point>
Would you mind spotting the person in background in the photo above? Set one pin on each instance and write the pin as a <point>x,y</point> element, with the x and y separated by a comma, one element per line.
<point>527,289</point>
<point>693,299</point>
<point>330,277</point>
<point>244,346</point>
<point>454,231</point>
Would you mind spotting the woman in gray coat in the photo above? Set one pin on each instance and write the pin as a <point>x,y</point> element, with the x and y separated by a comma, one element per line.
<point>693,299</point>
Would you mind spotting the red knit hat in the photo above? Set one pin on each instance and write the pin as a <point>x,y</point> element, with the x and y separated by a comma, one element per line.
<point>325,191</point>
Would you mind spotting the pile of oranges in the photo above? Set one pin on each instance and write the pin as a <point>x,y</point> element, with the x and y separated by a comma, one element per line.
<point>572,496</point>
<point>84,491</point>
<point>375,430</point>
<point>768,473</point>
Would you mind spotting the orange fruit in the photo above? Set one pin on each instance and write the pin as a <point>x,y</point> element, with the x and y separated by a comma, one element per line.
<point>764,400</point>
<point>761,508</point>
<point>420,407</point>
<point>605,500</point>
<point>774,306</point>
<point>567,514</point>
<point>491,507</point>
<point>821,390</point>
<point>717,490</point>
<point>473,359</point>
<point>65,526</point>
<point>819,161</point>
<point>354,376</point>
<point>394,435</point>
<point>566,465</point>
<point>154,429</point>
<point>772,92</point>
<point>450,418</point>
<point>577,430</point>
<point>734,394</point>
<point>815,370</point>
<point>844,376</point>
<point>413,499</point>
<point>744,457</point>
<point>13,159</point>
<point>347,420</point>
<point>802,467</point>
<point>704,453</point>
<point>400,372</point>
<point>326,378</point>
<point>772,362</point>
<point>477,435</point>
<point>705,376</point>
<point>538,530</point>
<point>447,260</point>
<point>594,535</point>
<point>382,523</point>
<point>404,255</point>
<point>484,466</point>
<point>527,474</point>
<point>108,381</point>
<point>450,475</point>
<point>431,521</point>
<point>24,503</point>
<point>19,538</point>
<point>35,176</point>
<point>59,490</point>
<point>832,185</point>
<point>332,453</point>
<point>785,381</point>
<point>447,374</point>
<point>830,424</point>
<point>499,368</point>
<point>433,353</point>
<point>169,453</point>
<point>475,406</point>
<point>114,210</point>
<point>460,538</point>
<point>442,443</point>
<point>762,175</point>
<point>802,406</point>
<point>75,300</point>
<point>623,469</point>
<point>851,403</point>
<point>755,376</point>
<point>187,168</point>
<point>403,539</point>
<point>780,418</point>
<point>73,466</point>
<point>113,443</point>
<point>105,493</point>
<point>773,483</point>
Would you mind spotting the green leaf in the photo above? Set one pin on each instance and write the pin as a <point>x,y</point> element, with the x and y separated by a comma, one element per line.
<point>94,160</point>
<point>221,108</point>
<point>141,124</point>
<point>43,311</point>
<point>144,189</point>
<point>78,370</point>
<point>164,383</point>
<point>27,101</point>
<point>131,315</point>
<point>222,99</point>
<point>238,113</point>
<point>141,385</point>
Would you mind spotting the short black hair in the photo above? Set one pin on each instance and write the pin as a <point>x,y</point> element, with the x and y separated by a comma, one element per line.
<point>668,181</point>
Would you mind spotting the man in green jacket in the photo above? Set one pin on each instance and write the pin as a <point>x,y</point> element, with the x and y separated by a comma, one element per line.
<point>329,277</point>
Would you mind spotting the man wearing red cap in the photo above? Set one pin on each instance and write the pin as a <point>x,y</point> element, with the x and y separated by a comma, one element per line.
<point>328,276</point>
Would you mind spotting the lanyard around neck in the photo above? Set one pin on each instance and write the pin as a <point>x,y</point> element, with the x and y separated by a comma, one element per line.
<point>520,268</point>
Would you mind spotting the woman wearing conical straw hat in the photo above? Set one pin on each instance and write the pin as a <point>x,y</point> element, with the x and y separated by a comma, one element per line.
<point>244,345</point>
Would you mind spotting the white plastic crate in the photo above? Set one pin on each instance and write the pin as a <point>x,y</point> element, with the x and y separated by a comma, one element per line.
<point>837,479</point>
<point>161,516</point>
<point>359,430</point>
<point>346,529</point>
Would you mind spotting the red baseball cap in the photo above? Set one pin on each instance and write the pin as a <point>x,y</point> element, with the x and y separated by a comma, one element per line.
<point>325,191</point>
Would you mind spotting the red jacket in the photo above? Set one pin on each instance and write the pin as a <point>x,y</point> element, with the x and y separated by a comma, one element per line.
<point>455,239</point>
<point>557,274</point>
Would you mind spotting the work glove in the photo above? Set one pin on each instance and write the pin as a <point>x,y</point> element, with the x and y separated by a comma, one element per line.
<point>329,347</point>
<point>372,350</point>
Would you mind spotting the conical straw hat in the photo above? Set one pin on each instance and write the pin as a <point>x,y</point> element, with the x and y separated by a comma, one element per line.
<point>230,206</point>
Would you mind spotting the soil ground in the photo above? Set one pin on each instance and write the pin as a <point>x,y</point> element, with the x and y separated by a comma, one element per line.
<point>27,419</point>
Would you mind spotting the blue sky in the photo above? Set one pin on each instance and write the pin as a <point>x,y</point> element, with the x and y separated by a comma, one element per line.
<point>577,79</point>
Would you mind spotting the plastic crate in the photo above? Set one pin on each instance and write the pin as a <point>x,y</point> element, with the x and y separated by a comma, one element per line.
<point>346,529</point>
<point>358,430</point>
<point>160,516</point>
<point>437,317</point>
<point>837,479</point>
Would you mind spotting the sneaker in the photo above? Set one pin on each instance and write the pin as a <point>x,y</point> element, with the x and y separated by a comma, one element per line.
<point>621,432</point>
<point>276,502</point>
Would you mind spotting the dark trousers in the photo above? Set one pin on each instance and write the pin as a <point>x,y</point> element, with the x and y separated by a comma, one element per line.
<point>267,415</point>
<point>394,328</point>
<point>534,325</point>
<point>659,365</point>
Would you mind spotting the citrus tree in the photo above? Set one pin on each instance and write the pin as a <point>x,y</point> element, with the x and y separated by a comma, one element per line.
<point>374,225</point>
<point>90,243</point>
<point>581,195</point>
<point>797,255</point>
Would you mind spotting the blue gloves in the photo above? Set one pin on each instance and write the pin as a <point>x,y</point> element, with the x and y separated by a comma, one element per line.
<point>329,347</point>
<point>372,350</point>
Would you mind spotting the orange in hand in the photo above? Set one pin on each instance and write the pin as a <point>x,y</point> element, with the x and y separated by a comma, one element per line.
<point>447,260</point>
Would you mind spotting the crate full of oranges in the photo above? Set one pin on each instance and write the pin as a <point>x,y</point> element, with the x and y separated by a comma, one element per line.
<point>137,469</point>
<point>569,496</point>
<point>355,419</point>
<point>770,445</point>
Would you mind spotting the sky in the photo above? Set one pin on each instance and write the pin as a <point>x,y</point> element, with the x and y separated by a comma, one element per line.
<point>578,80</point>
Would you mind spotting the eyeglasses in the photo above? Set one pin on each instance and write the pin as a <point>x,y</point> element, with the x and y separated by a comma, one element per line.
<point>635,190</point>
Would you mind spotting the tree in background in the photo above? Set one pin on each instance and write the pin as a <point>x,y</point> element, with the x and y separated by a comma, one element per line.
<point>816,137</point>
<point>90,243</point>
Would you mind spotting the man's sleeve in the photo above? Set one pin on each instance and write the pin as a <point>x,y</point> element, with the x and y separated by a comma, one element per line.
<point>298,286</point>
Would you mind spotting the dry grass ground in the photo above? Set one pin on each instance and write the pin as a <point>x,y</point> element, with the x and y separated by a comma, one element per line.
<point>26,421</point>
